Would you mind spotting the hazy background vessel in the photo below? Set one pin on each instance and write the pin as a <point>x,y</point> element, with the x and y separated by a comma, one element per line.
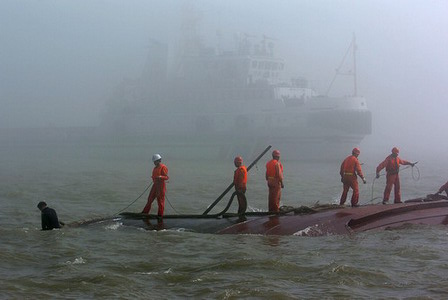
<point>233,102</point>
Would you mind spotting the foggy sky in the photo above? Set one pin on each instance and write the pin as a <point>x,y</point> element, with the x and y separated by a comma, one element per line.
<point>61,59</point>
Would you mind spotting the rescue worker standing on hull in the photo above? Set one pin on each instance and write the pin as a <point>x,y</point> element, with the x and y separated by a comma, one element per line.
<point>392,164</point>
<point>158,189</point>
<point>274,177</point>
<point>240,181</point>
<point>350,168</point>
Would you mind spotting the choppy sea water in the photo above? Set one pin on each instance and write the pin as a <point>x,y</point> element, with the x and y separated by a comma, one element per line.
<point>110,261</point>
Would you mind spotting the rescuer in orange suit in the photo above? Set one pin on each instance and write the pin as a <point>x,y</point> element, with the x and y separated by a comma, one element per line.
<point>443,188</point>
<point>392,164</point>
<point>240,181</point>
<point>274,177</point>
<point>350,168</point>
<point>158,189</point>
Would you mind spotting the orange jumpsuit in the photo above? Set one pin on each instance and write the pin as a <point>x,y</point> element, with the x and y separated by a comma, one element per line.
<point>158,190</point>
<point>392,165</point>
<point>350,167</point>
<point>274,177</point>
<point>444,188</point>
<point>240,181</point>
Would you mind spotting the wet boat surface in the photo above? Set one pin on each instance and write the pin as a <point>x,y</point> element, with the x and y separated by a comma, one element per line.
<point>317,221</point>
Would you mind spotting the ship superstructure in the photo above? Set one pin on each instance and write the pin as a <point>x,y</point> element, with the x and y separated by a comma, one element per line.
<point>235,100</point>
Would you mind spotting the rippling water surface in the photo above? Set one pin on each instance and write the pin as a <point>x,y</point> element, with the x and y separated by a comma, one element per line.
<point>109,260</point>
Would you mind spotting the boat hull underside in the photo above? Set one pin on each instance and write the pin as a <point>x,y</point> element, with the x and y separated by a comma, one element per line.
<point>340,220</point>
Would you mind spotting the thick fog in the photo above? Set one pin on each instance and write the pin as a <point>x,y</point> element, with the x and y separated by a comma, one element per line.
<point>60,60</point>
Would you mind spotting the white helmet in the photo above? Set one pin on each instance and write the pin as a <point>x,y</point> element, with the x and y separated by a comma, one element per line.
<point>156,157</point>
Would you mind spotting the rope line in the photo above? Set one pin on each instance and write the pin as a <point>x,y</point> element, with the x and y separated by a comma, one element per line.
<point>134,200</point>
<point>414,177</point>
<point>171,205</point>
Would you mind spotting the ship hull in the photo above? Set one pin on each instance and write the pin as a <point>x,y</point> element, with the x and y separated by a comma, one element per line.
<point>320,222</point>
<point>321,129</point>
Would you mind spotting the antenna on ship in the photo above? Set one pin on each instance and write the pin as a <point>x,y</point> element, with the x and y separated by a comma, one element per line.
<point>353,48</point>
<point>355,87</point>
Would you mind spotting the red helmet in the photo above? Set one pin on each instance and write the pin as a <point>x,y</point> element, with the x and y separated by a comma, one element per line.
<point>238,159</point>
<point>356,151</point>
<point>275,153</point>
<point>395,150</point>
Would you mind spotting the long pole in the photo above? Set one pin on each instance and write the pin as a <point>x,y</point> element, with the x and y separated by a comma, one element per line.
<point>231,185</point>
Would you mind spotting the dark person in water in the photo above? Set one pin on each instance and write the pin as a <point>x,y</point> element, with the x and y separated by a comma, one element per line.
<point>49,217</point>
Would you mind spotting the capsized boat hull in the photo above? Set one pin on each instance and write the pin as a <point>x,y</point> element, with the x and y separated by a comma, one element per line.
<point>346,220</point>
<point>194,223</point>
<point>330,221</point>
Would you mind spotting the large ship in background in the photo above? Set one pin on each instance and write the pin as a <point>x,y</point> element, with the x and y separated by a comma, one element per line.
<point>224,103</point>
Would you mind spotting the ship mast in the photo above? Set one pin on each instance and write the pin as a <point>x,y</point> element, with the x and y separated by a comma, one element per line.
<point>354,66</point>
<point>338,72</point>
